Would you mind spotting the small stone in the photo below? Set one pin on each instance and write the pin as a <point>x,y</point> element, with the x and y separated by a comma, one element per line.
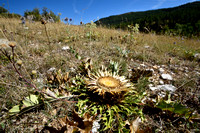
<point>153,88</point>
<point>197,56</point>
<point>181,69</point>
<point>146,46</point>
<point>161,70</point>
<point>155,67</point>
<point>166,76</point>
<point>150,85</point>
<point>198,73</point>
<point>65,48</point>
<point>152,70</point>
<point>46,55</point>
<point>161,82</point>
<point>142,65</point>
<point>166,87</point>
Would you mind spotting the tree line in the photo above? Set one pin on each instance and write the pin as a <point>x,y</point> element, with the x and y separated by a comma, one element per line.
<point>46,13</point>
<point>181,20</point>
<point>4,13</point>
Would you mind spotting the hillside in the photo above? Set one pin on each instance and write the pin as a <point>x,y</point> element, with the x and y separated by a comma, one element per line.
<point>65,78</point>
<point>181,20</point>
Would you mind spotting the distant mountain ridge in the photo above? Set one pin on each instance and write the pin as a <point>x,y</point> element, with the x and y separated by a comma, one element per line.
<point>181,20</point>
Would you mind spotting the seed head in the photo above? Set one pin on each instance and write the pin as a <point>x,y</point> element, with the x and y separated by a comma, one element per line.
<point>19,62</point>
<point>43,21</point>
<point>12,44</point>
<point>34,72</point>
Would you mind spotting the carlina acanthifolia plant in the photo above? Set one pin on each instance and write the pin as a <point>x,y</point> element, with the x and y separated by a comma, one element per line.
<point>110,97</point>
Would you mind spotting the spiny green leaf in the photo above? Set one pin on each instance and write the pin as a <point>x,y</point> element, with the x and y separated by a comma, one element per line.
<point>82,94</point>
<point>101,109</point>
<point>115,108</point>
<point>94,110</point>
<point>110,113</point>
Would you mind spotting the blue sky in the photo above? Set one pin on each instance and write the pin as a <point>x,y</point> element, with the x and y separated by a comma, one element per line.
<point>87,10</point>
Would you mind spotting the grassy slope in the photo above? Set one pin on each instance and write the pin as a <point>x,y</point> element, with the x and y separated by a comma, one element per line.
<point>103,46</point>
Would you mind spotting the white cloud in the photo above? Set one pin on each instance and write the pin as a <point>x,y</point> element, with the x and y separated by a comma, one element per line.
<point>82,10</point>
<point>160,3</point>
<point>74,8</point>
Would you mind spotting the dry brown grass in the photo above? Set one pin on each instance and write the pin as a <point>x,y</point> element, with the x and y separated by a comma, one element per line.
<point>104,45</point>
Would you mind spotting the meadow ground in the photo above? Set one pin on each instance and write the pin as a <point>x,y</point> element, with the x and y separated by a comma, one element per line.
<point>41,48</point>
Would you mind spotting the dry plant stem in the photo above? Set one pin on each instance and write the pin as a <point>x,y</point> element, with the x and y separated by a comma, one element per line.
<point>198,87</point>
<point>10,84</point>
<point>185,83</point>
<point>4,34</point>
<point>187,120</point>
<point>38,105</point>
<point>13,55</point>
<point>47,34</point>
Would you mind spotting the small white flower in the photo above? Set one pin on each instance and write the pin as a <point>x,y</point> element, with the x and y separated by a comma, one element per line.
<point>146,46</point>
<point>51,69</point>
<point>26,28</point>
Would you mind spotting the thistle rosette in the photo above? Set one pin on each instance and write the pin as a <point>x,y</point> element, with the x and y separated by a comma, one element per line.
<point>111,97</point>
